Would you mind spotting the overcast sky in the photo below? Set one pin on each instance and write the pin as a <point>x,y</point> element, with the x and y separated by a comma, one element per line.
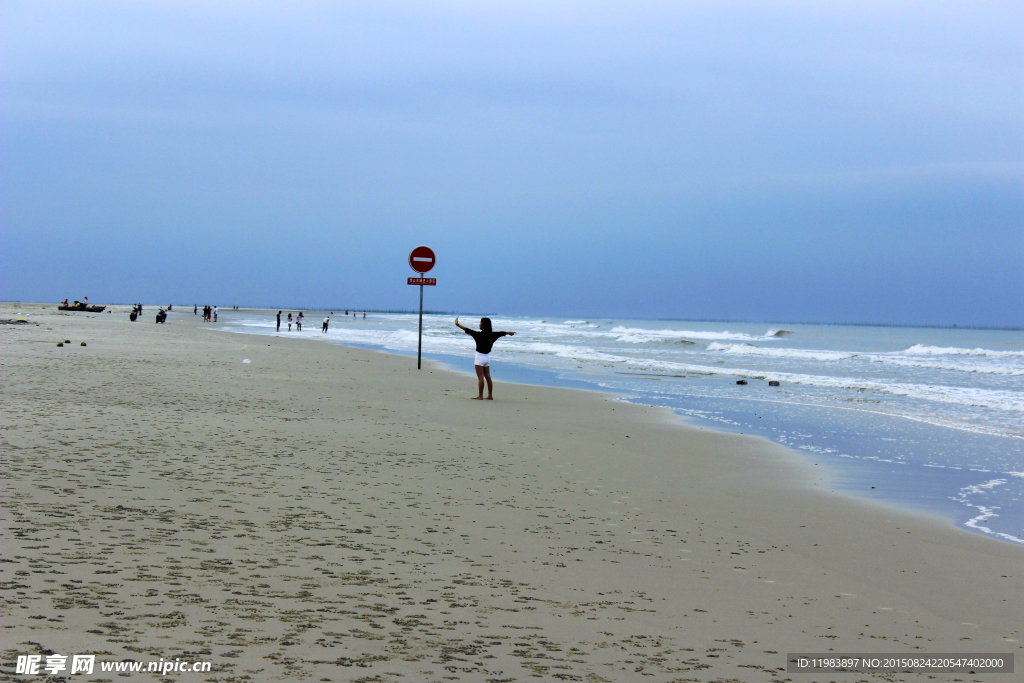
<point>786,161</point>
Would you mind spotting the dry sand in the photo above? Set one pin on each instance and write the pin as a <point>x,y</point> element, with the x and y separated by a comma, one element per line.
<point>329,513</point>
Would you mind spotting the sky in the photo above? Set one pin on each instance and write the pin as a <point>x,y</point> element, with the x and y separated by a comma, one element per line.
<point>764,161</point>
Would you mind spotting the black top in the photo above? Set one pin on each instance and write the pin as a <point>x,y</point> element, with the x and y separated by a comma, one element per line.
<point>484,340</point>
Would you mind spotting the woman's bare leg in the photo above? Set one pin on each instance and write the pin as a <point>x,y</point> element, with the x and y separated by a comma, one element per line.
<point>490,384</point>
<point>480,370</point>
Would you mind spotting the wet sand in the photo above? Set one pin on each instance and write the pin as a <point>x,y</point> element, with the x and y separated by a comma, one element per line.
<point>331,513</point>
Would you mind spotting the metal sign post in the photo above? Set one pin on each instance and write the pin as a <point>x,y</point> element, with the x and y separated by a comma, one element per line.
<point>421,259</point>
<point>419,341</point>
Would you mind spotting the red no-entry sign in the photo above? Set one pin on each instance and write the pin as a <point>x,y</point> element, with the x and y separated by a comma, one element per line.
<point>422,259</point>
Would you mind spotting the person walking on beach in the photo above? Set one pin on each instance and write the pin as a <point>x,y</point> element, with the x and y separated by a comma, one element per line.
<point>326,321</point>
<point>289,322</point>
<point>214,314</point>
<point>484,339</point>
<point>298,322</point>
<point>279,321</point>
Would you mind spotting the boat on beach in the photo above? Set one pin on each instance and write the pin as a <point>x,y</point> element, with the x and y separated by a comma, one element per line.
<point>81,307</point>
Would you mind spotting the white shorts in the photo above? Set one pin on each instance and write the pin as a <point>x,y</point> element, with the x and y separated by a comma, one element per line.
<point>483,359</point>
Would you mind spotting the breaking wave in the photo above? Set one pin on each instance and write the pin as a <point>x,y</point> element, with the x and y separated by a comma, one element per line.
<point>635,335</point>
<point>922,350</point>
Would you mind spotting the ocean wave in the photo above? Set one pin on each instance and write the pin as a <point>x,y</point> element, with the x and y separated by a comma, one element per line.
<point>946,365</point>
<point>803,354</point>
<point>636,335</point>
<point>747,349</point>
<point>574,353</point>
<point>923,350</point>
<point>985,512</point>
<point>777,333</point>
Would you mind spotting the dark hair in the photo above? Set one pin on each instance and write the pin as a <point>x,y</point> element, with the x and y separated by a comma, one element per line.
<point>485,324</point>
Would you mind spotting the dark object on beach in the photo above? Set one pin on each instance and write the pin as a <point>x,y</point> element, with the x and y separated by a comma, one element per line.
<point>82,344</point>
<point>78,306</point>
<point>773,383</point>
<point>19,321</point>
<point>60,343</point>
<point>161,316</point>
<point>741,381</point>
<point>67,341</point>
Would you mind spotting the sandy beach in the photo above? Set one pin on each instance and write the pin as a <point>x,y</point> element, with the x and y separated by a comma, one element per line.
<point>328,513</point>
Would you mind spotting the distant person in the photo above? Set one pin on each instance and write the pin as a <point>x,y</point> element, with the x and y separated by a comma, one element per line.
<point>170,307</point>
<point>298,322</point>
<point>364,315</point>
<point>279,321</point>
<point>195,309</point>
<point>85,301</point>
<point>214,314</point>
<point>484,339</point>
<point>65,303</point>
<point>327,320</point>
<point>353,315</point>
<point>289,322</point>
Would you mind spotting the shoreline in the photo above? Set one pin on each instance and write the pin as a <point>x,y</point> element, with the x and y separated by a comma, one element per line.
<point>327,511</point>
<point>850,482</point>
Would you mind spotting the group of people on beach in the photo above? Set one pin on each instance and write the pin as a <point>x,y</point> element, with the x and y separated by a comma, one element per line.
<point>209,312</point>
<point>297,320</point>
<point>288,320</point>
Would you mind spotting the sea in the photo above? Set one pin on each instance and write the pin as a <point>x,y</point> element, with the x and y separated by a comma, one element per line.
<point>925,419</point>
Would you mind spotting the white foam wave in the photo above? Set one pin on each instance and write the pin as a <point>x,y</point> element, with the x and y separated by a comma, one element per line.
<point>985,512</point>
<point>747,349</point>
<point>639,335</point>
<point>805,354</point>
<point>922,350</point>
<point>946,365</point>
<point>575,353</point>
